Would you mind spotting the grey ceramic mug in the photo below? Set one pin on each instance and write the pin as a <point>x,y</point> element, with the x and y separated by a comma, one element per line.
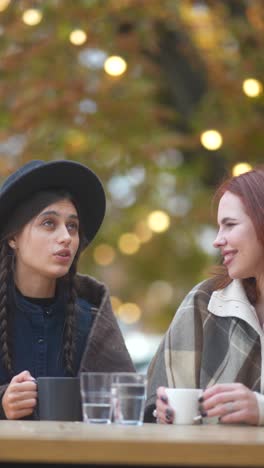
<point>58,399</point>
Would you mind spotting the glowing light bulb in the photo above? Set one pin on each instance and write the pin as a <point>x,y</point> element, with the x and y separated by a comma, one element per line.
<point>158,221</point>
<point>252,87</point>
<point>32,17</point>
<point>211,140</point>
<point>115,65</point>
<point>78,37</point>
<point>240,168</point>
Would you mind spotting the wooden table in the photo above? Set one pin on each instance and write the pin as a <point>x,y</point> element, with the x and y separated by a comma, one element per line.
<point>155,445</point>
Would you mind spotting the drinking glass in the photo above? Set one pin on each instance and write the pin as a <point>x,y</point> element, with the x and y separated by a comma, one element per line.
<point>129,394</point>
<point>96,397</point>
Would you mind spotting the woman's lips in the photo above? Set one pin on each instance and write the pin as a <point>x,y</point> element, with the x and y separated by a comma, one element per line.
<point>63,256</point>
<point>228,257</point>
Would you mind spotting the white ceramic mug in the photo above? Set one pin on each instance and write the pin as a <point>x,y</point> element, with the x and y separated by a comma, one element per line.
<point>184,402</point>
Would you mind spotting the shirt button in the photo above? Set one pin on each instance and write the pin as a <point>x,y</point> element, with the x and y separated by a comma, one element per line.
<point>48,311</point>
<point>40,340</point>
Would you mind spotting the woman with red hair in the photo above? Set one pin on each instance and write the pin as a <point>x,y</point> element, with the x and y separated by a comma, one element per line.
<point>216,339</point>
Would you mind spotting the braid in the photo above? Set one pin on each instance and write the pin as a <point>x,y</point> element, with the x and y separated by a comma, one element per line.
<point>5,268</point>
<point>68,338</point>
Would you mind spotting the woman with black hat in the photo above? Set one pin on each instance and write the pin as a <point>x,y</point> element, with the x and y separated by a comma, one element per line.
<point>53,321</point>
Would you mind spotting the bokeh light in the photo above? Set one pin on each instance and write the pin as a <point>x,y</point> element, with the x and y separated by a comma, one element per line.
<point>129,312</point>
<point>158,221</point>
<point>143,232</point>
<point>240,168</point>
<point>32,17</point>
<point>211,140</point>
<point>78,37</point>
<point>129,243</point>
<point>116,303</point>
<point>104,254</point>
<point>252,87</point>
<point>4,4</point>
<point>115,65</point>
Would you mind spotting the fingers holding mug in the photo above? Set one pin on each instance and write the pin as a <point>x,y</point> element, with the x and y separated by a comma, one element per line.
<point>231,403</point>
<point>164,413</point>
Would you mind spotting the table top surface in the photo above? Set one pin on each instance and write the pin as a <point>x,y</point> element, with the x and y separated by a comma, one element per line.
<point>150,444</point>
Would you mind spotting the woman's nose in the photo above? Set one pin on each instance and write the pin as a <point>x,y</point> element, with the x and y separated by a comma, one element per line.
<point>64,235</point>
<point>219,240</point>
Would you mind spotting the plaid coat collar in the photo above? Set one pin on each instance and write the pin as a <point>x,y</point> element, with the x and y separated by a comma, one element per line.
<point>232,301</point>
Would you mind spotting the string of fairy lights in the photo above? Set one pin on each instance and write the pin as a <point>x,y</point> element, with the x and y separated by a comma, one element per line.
<point>211,139</point>
<point>157,221</point>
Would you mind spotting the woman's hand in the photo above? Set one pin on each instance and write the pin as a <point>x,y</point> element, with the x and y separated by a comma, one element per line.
<point>231,403</point>
<point>164,413</point>
<point>20,397</point>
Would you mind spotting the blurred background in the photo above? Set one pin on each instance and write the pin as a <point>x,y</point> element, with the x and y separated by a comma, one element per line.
<point>162,99</point>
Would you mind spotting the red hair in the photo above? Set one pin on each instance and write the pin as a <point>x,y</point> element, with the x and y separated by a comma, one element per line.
<point>249,187</point>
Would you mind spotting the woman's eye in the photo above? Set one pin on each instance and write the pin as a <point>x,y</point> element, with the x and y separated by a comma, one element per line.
<point>48,223</point>
<point>72,227</point>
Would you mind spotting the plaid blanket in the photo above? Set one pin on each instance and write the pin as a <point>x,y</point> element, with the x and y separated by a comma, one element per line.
<point>215,336</point>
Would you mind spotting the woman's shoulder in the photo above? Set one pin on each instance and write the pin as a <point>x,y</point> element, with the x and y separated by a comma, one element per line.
<point>202,290</point>
<point>84,281</point>
<point>90,289</point>
<point>196,300</point>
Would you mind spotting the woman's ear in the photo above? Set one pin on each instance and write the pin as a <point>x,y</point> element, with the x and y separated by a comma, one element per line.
<point>12,243</point>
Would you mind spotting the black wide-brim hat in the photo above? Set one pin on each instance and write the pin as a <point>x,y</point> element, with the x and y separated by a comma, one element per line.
<point>84,186</point>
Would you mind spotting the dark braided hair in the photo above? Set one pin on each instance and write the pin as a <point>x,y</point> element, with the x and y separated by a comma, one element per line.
<point>5,268</point>
<point>69,326</point>
<point>22,215</point>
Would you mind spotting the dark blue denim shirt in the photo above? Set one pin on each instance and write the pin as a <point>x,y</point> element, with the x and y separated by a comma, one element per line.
<point>37,336</point>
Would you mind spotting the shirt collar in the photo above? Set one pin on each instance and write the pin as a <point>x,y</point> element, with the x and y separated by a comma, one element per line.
<point>29,307</point>
<point>232,301</point>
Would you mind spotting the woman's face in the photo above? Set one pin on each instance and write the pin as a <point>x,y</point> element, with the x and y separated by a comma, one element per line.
<point>243,254</point>
<point>46,246</point>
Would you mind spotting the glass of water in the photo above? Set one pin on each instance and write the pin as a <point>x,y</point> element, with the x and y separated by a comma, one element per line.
<point>96,397</point>
<point>128,397</point>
